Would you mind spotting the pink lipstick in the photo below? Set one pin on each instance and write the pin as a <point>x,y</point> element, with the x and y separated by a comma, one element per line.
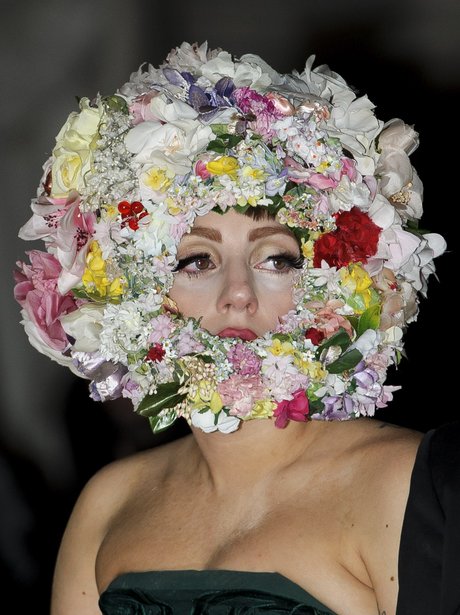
<point>244,334</point>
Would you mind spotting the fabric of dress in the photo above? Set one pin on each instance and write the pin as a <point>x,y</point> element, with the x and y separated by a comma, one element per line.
<point>429,557</point>
<point>207,592</point>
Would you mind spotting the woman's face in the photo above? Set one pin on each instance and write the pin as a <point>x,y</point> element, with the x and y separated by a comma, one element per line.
<point>236,273</point>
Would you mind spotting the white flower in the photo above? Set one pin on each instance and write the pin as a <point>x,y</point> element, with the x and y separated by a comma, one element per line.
<point>353,122</point>
<point>84,325</point>
<point>348,194</point>
<point>35,339</point>
<point>125,330</point>
<point>154,232</point>
<point>367,343</point>
<point>206,422</point>
<point>171,142</point>
<point>189,57</point>
<point>398,135</point>
<point>242,73</point>
<point>72,155</point>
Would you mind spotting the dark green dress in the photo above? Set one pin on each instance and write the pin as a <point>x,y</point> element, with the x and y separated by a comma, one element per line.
<point>203,592</point>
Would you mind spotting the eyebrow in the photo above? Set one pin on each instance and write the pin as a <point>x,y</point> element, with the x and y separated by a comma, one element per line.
<point>257,233</point>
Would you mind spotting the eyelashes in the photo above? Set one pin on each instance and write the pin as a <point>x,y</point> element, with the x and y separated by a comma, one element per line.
<point>292,261</point>
<point>188,260</point>
<point>288,261</point>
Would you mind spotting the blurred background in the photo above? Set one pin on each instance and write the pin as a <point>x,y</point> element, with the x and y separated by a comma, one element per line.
<point>404,54</point>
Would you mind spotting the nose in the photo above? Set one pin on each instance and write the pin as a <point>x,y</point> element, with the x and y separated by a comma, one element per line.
<point>237,292</point>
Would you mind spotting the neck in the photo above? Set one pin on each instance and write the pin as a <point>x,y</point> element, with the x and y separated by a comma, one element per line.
<point>256,451</point>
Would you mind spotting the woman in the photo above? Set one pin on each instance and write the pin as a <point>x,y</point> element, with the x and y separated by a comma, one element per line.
<point>230,246</point>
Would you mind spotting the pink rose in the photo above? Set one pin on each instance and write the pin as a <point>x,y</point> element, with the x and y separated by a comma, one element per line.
<point>36,291</point>
<point>295,409</point>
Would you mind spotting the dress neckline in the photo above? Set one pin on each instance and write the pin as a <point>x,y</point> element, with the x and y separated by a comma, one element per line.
<point>215,579</point>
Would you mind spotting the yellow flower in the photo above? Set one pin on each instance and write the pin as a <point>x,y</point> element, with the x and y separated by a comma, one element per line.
<point>262,410</point>
<point>322,167</point>
<point>111,211</point>
<point>216,404</point>
<point>95,279</point>
<point>225,165</point>
<point>279,348</point>
<point>356,279</point>
<point>173,208</point>
<point>308,249</point>
<point>311,368</point>
<point>158,179</point>
<point>204,392</point>
<point>256,174</point>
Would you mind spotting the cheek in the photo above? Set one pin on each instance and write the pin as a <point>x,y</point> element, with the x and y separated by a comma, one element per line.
<point>275,294</point>
<point>190,296</point>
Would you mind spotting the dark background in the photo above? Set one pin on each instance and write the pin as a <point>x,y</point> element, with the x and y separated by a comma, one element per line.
<point>404,54</point>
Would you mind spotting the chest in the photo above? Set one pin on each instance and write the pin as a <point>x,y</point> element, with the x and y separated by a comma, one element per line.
<point>305,536</point>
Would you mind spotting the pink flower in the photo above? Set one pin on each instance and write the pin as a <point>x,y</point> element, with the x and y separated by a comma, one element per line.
<point>244,360</point>
<point>64,227</point>
<point>348,169</point>
<point>36,291</point>
<point>327,320</point>
<point>295,409</point>
<point>73,236</point>
<point>201,170</point>
<point>162,327</point>
<point>239,393</point>
<point>140,108</point>
<point>264,110</point>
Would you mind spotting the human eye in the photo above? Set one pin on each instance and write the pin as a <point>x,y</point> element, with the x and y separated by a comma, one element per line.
<point>284,262</point>
<point>195,264</point>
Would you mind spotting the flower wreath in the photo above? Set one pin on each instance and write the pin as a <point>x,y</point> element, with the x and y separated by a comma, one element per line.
<point>206,132</point>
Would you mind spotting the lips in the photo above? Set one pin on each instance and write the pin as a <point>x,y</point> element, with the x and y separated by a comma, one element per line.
<point>244,334</point>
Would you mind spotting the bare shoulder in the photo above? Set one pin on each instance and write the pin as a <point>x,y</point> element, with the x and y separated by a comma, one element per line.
<point>112,486</point>
<point>387,455</point>
<point>384,459</point>
<point>74,584</point>
<point>378,439</point>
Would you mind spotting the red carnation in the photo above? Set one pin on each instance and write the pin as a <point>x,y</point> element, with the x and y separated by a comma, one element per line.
<point>314,335</point>
<point>354,240</point>
<point>156,353</point>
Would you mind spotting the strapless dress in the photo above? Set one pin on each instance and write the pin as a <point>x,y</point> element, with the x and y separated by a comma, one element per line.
<point>207,592</point>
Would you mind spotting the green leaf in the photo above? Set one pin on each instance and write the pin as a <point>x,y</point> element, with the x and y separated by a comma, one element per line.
<point>216,146</point>
<point>315,405</point>
<point>219,129</point>
<point>224,142</point>
<point>282,337</point>
<point>340,338</point>
<point>165,397</point>
<point>347,361</point>
<point>160,423</point>
<point>370,319</point>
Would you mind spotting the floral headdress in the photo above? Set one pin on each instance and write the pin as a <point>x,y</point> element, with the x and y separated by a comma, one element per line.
<point>208,132</point>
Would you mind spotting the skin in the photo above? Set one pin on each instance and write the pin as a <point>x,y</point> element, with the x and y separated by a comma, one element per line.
<point>321,503</point>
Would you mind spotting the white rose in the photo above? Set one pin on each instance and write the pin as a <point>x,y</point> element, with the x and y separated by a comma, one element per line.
<point>72,155</point>
<point>84,325</point>
<point>398,135</point>
<point>172,142</point>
